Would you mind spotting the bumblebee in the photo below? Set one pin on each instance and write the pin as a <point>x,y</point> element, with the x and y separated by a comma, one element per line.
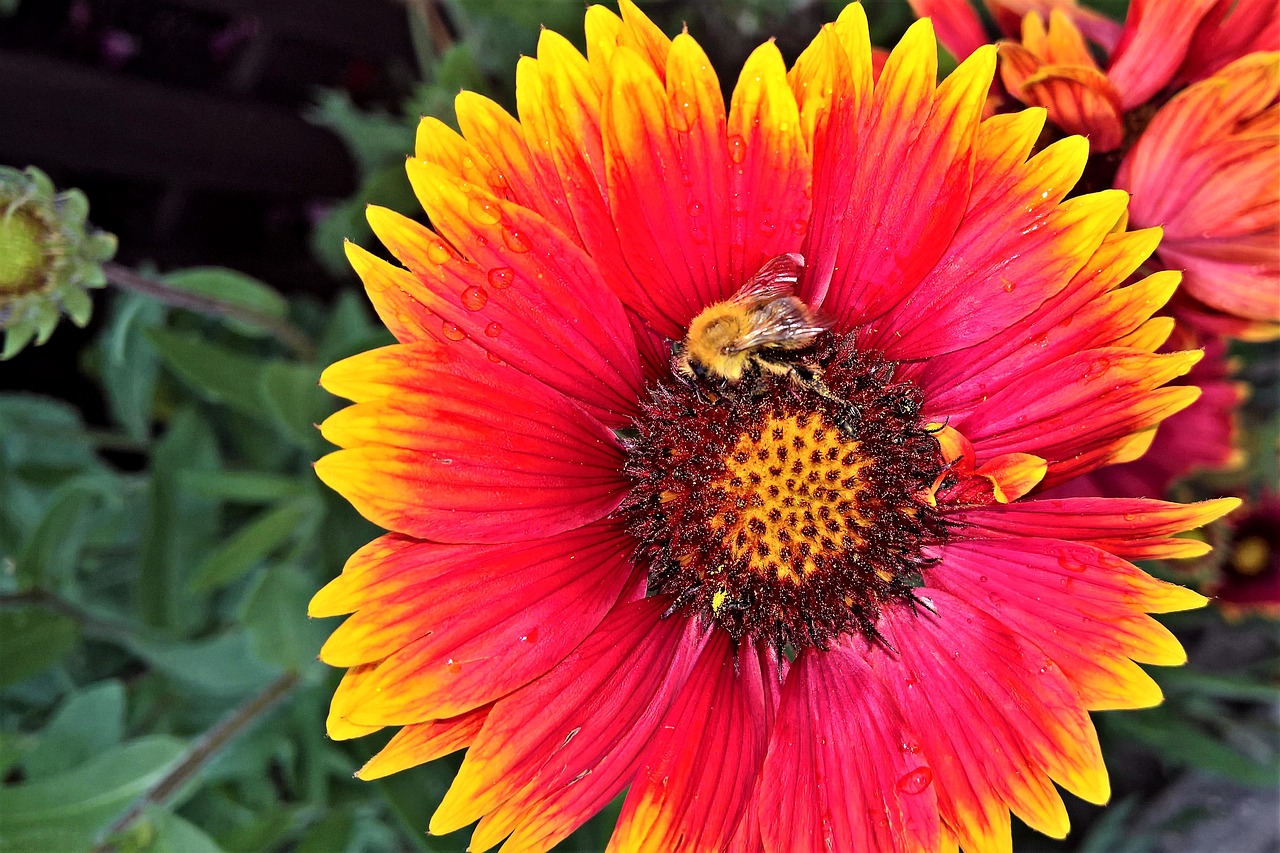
<point>760,330</point>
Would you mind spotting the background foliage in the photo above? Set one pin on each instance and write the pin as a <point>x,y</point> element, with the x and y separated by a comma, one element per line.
<point>159,689</point>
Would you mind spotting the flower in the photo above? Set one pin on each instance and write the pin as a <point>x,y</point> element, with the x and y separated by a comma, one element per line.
<point>48,257</point>
<point>1248,580</point>
<point>1207,169</point>
<point>1160,44</point>
<point>819,608</point>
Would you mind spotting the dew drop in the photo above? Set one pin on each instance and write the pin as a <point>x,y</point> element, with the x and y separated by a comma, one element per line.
<point>438,253</point>
<point>908,746</point>
<point>1010,287</point>
<point>982,578</point>
<point>452,331</point>
<point>484,211</point>
<point>915,781</point>
<point>531,637</point>
<point>515,240</point>
<point>474,298</point>
<point>695,208</point>
<point>737,148</point>
<point>494,358</point>
<point>493,329</point>
<point>454,666</point>
<point>800,226</point>
<point>501,277</point>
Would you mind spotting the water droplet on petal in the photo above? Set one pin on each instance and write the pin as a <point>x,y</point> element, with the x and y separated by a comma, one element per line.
<point>515,240</point>
<point>800,226</point>
<point>484,211</point>
<point>915,781</point>
<point>501,277</point>
<point>531,637</point>
<point>474,298</point>
<point>737,148</point>
<point>695,209</point>
<point>438,253</point>
<point>454,666</point>
<point>493,329</point>
<point>494,358</point>
<point>452,331</point>
<point>1010,287</point>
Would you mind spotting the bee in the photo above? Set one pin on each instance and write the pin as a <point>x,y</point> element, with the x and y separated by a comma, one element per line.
<point>760,330</point>
<point>757,329</point>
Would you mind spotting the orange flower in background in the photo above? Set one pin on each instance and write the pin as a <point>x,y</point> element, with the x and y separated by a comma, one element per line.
<point>790,588</point>
<point>1207,169</point>
<point>1161,43</point>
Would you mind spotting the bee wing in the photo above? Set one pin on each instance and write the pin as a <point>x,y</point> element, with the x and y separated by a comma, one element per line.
<point>776,279</point>
<point>783,323</point>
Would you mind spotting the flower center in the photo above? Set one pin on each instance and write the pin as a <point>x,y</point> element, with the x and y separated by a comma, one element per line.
<point>781,509</point>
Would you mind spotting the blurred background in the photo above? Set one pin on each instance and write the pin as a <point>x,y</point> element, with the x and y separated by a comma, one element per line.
<point>160,528</point>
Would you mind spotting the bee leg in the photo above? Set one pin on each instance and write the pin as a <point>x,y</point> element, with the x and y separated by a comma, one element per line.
<point>848,414</point>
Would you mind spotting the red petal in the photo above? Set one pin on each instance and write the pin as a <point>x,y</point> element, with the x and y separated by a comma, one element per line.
<point>453,448</point>
<point>447,642</point>
<point>1082,607</point>
<point>1131,528</point>
<point>1156,36</point>
<point>995,719</point>
<point>844,771</point>
<point>698,774</point>
<point>524,293</point>
<point>552,754</point>
<point>882,239</point>
<point>666,155</point>
<point>772,169</point>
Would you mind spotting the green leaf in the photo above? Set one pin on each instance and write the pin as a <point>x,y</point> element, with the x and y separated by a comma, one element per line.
<point>89,721</point>
<point>50,555</point>
<point>130,364</point>
<point>276,618</point>
<point>240,487</point>
<point>373,138</point>
<point>1178,742</point>
<point>222,666</point>
<point>44,437</point>
<point>165,832</point>
<point>351,329</point>
<point>219,374</point>
<point>1112,833</point>
<point>253,543</point>
<point>68,811</point>
<point>180,527</point>
<point>292,395</point>
<point>387,186</point>
<point>1235,687</point>
<point>234,288</point>
<point>33,640</point>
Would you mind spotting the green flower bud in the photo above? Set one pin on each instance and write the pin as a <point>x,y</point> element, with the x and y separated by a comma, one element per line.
<point>49,255</point>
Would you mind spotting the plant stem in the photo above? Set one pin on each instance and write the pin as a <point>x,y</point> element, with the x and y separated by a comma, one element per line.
<point>287,333</point>
<point>199,755</point>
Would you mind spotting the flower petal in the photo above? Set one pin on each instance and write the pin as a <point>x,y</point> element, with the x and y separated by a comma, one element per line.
<point>447,641</point>
<point>870,243</point>
<point>844,771</point>
<point>422,742</point>
<point>1156,36</point>
<point>524,293</point>
<point>1130,528</point>
<point>447,447</point>
<point>1081,606</point>
<point>553,753</point>
<point>697,776</point>
<point>996,723</point>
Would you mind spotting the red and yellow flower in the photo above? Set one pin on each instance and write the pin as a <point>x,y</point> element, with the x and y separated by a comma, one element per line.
<point>784,618</point>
